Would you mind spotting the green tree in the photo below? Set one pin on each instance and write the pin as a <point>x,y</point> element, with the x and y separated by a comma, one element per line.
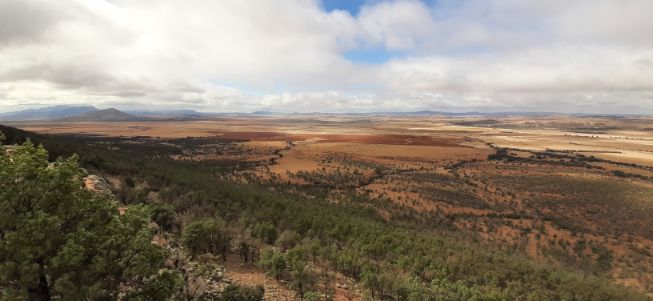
<point>243,251</point>
<point>61,241</point>
<point>287,239</point>
<point>371,281</point>
<point>206,236</point>
<point>164,216</point>
<point>266,232</point>
<point>299,269</point>
<point>273,262</point>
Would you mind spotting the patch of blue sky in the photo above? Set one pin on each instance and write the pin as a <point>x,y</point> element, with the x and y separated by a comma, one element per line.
<point>373,56</point>
<point>352,6</point>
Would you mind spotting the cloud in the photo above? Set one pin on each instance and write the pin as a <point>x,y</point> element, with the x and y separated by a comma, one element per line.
<point>289,55</point>
<point>25,21</point>
<point>550,69</point>
<point>400,25</point>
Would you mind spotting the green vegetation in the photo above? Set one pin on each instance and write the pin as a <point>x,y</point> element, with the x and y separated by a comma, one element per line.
<point>200,207</point>
<point>240,293</point>
<point>206,236</point>
<point>60,241</point>
<point>274,262</point>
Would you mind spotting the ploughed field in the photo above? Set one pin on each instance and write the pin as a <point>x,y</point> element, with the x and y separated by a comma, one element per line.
<point>569,191</point>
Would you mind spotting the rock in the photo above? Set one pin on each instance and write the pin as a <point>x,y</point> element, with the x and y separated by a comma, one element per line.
<point>10,150</point>
<point>97,184</point>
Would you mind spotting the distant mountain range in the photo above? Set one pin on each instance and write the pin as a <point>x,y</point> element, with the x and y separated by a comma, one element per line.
<point>184,113</point>
<point>47,113</point>
<point>89,113</point>
<point>105,115</point>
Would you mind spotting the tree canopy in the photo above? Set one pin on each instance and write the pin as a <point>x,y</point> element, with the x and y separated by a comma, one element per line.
<point>206,236</point>
<point>61,241</point>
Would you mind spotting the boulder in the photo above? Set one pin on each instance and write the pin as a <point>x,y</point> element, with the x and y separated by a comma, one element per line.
<point>97,184</point>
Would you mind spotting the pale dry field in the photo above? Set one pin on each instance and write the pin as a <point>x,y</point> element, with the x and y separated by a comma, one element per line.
<point>628,140</point>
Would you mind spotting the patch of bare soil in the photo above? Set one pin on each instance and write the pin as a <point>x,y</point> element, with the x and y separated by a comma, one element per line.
<point>251,275</point>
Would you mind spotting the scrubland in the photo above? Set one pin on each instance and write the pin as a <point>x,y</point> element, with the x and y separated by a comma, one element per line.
<point>558,192</point>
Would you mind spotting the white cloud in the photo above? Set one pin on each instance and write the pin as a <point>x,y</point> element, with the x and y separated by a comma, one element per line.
<point>399,25</point>
<point>289,55</point>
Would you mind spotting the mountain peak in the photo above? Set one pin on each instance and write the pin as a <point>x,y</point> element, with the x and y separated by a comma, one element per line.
<point>110,114</point>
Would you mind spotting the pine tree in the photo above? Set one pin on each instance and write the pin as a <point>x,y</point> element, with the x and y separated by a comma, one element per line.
<point>61,241</point>
<point>274,262</point>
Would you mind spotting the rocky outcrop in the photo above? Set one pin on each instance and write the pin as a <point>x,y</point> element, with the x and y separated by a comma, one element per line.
<point>204,278</point>
<point>10,150</point>
<point>97,184</point>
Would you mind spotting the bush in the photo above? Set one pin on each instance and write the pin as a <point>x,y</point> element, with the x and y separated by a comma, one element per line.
<point>235,292</point>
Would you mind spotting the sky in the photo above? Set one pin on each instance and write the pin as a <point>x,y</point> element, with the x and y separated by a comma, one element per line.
<point>582,56</point>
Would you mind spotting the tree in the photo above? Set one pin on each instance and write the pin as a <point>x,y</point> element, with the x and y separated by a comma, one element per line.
<point>243,251</point>
<point>287,239</point>
<point>370,280</point>
<point>266,232</point>
<point>164,216</point>
<point>273,262</point>
<point>500,154</point>
<point>206,236</point>
<point>61,241</point>
<point>299,268</point>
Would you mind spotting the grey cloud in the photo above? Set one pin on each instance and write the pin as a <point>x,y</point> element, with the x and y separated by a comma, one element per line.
<point>644,63</point>
<point>26,21</point>
<point>74,76</point>
<point>71,76</point>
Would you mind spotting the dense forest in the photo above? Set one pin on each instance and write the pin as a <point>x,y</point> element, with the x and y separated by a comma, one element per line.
<point>59,241</point>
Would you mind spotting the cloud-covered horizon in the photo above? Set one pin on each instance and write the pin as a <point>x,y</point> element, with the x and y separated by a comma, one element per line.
<point>304,56</point>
